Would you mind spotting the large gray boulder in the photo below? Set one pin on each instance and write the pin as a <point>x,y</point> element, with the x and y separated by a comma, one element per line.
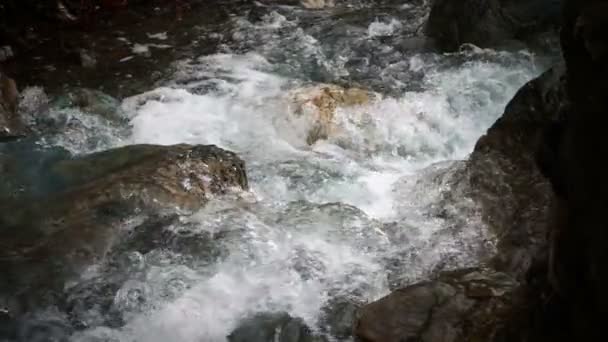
<point>47,238</point>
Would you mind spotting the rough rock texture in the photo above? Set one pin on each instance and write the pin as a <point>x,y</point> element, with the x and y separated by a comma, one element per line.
<point>318,105</point>
<point>94,200</point>
<point>10,124</point>
<point>552,244</point>
<point>492,303</point>
<point>273,327</point>
<point>504,176</point>
<point>466,305</point>
<point>488,23</point>
<point>179,175</point>
<point>338,316</point>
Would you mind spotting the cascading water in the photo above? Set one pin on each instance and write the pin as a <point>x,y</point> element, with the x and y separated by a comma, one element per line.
<point>344,219</point>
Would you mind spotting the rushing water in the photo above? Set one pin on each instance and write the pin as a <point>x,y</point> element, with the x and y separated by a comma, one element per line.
<point>347,218</point>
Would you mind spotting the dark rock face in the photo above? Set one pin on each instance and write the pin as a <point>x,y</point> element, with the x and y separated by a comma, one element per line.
<point>552,235</point>
<point>489,23</point>
<point>467,305</point>
<point>505,179</point>
<point>91,101</point>
<point>273,327</point>
<point>490,303</point>
<point>573,161</point>
<point>149,175</point>
<point>338,317</point>
<point>55,234</point>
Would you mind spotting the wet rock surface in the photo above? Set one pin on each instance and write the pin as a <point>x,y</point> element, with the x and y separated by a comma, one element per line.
<point>90,101</point>
<point>94,200</point>
<point>318,104</point>
<point>492,303</point>
<point>181,175</point>
<point>505,178</point>
<point>103,246</point>
<point>273,327</point>
<point>465,305</point>
<point>339,317</point>
<point>551,241</point>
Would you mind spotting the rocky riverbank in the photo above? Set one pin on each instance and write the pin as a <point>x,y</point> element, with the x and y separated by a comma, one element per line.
<point>86,237</point>
<point>545,283</point>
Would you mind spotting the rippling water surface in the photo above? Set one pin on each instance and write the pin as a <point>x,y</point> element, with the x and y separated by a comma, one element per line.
<point>375,206</point>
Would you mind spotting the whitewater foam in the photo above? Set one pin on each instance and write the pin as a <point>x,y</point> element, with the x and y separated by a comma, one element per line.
<point>348,217</point>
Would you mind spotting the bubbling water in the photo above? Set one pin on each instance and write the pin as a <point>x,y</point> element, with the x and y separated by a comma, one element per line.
<point>350,216</point>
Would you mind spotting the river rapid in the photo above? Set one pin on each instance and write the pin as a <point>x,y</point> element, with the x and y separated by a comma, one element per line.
<point>333,224</point>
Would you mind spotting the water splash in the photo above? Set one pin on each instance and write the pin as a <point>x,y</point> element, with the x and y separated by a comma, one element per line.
<point>377,204</point>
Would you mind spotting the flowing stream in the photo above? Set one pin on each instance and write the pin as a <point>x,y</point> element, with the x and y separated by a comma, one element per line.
<point>373,207</point>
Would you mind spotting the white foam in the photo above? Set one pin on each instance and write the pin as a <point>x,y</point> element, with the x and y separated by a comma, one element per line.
<point>324,219</point>
<point>141,49</point>
<point>159,36</point>
<point>288,267</point>
<point>381,29</point>
<point>246,113</point>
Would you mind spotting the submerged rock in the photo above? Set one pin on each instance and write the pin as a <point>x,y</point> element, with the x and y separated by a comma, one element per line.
<point>91,101</point>
<point>318,104</point>
<point>181,175</point>
<point>273,327</point>
<point>338,317</point>
<point>318,4</point>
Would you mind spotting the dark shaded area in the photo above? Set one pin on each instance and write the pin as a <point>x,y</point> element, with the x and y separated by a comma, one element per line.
<point>277,327</point>
<point>95,49</point>
<point>551,244</point>
<point>495,302</point>
<point>491,23</point>
<point>573,160</point>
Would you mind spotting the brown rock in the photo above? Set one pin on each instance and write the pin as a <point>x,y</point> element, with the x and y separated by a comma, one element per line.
<point>318,4</point>
<point>10,123</point>
<point>319,104</point>
<point>55,236</point>
<point>467,305</point>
